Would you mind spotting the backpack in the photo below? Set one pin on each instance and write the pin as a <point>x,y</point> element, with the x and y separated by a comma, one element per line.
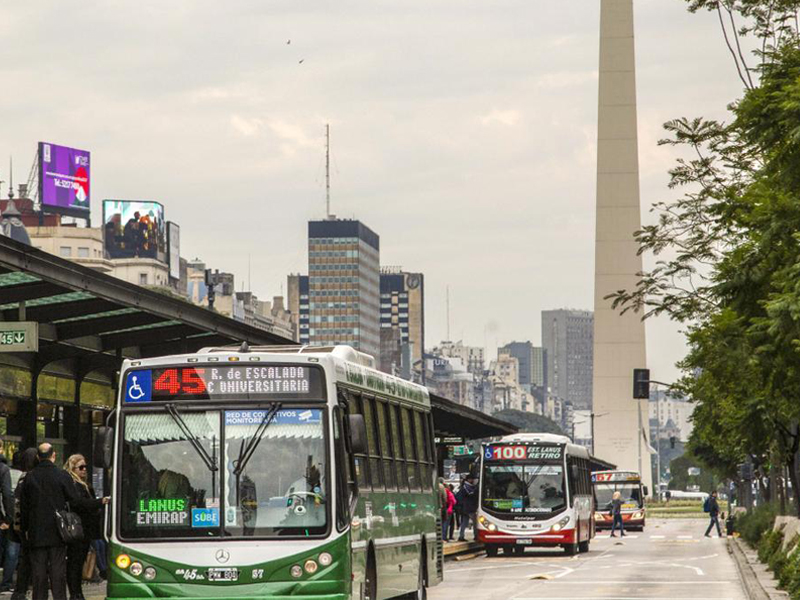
<point>707,505</point>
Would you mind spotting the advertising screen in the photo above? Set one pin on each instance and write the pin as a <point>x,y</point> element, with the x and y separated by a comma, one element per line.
<point>174,249</point>
<point>134,229</point>
<point>64,179</point>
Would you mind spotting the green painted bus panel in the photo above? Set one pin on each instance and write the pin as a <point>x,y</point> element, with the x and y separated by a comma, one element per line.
<point>270,579</point>
<point>393,526</point>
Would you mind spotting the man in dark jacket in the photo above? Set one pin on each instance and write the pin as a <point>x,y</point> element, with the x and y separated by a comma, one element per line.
<point>713,512</point>
<point>48,489</point>
<point>468,503</point>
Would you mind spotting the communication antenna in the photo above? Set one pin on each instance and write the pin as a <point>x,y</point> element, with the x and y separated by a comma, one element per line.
<point>11,177</point>
<point>328,170</point>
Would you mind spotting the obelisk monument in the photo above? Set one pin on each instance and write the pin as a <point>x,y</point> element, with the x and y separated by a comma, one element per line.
<point>619,340</point>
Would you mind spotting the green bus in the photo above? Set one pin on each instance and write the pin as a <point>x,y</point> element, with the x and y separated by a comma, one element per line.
<point>271,472</point>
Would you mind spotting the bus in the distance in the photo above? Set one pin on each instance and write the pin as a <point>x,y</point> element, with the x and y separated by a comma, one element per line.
<point>629,485</point>
<point>535,490</point>
<point>270,473</point>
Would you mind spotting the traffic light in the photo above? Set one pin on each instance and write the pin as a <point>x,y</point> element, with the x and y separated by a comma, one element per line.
<point>746,471</point>
<point>641,384</point>
<point>672,440</point>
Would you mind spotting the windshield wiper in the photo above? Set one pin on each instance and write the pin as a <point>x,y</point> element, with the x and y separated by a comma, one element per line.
<point>247,452</point>
<point>210,462</point>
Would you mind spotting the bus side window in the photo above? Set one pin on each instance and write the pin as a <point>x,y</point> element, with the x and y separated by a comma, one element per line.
<point>400,464</point>
<point>375,467</point>
<point>412,468</point>
<point>389,473</point>
<point>422,455</point>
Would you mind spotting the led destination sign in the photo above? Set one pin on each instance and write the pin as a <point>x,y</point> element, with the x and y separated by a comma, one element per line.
<point>224,382</point>
<point>511,452</point>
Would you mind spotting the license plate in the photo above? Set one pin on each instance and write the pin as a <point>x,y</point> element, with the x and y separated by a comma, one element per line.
<point>524,541</point>
<point>223,574</point>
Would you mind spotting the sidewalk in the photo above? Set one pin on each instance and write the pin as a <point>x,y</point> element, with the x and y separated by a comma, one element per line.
<point>455,547</point>
<point>757,580</point>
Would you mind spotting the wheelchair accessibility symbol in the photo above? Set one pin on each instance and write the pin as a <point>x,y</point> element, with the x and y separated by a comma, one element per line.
<point>138,386</point>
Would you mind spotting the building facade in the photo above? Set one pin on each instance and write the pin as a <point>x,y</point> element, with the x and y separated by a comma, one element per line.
<point>402,309</point>
<point>567,338</point>
<point>344,285</point>
<point>472,357</point>
<point>531,363</point>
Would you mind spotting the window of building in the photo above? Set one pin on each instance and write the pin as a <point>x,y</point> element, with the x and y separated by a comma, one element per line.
<point>83,253</point>
<point>142,278</point>
<point>65,251</point>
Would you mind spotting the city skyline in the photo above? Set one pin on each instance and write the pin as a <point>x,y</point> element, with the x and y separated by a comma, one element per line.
<point>238,140</point>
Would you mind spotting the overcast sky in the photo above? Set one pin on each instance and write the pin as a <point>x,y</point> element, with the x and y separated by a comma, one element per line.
<point>463,132</point>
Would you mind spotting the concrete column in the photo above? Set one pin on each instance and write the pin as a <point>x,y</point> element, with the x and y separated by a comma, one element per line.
<point>619,341</point>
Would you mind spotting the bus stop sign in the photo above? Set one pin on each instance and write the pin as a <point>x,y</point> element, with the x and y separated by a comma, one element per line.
<point>19,336</point>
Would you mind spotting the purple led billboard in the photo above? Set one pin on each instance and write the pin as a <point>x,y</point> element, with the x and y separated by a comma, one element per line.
<point>64,179</point>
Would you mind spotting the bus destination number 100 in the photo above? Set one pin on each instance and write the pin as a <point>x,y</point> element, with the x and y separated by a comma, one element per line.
<point>507,452</point>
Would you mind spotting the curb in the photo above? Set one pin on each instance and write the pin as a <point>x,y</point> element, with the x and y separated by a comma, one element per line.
<point>752,586</point>
<point>459,548</point>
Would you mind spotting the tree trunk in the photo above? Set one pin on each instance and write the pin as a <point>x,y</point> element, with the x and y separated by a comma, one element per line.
<point>791,465</point>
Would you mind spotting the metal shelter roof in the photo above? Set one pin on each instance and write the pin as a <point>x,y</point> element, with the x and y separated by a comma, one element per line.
<point>450,418</point>
<point>100,319</point>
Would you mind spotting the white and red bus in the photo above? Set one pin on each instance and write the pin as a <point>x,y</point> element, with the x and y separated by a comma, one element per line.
<point>535,490</point>
<point>629,485</point>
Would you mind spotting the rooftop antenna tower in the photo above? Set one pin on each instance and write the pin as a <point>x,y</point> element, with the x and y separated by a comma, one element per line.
<point>11,177</point>
<point>328,170</point>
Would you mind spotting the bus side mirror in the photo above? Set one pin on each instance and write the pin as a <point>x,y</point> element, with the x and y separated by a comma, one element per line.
<point>358,434</point>
<point>646,492</point>
<point>104,448</point>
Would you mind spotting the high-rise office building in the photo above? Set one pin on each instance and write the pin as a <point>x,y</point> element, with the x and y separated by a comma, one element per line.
<point>343,285</point>
<point>531,363</point>
<point>402,309</point>
<point>568,338</point>
<point>539,368</point>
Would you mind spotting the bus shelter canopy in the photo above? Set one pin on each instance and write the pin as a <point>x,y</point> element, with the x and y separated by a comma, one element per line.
<point>452,419</point>
<point>94,318</point>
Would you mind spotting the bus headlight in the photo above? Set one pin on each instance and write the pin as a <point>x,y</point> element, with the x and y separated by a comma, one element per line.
<point>561,524</point>
<point>598,516</point>
<point>310,566</point>
<point>637,515</point>
<point>149,573</point>
<point>486,523</point>
<point>296,571</point>
<point>123,561</point>
<point>325,559</point>
<point>136,569</point>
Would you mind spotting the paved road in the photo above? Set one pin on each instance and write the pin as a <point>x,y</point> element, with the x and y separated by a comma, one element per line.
<point>670,560</point>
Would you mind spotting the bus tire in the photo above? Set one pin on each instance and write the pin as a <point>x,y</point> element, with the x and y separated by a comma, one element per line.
<point>583,546</point>
<point>371,579</point>
<point>519,550</point>
<point>491,550</point>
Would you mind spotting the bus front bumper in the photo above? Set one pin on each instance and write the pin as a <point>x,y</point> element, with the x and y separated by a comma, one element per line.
<point>193,591</point>
<point>605,521</point>
<point>548,538</point>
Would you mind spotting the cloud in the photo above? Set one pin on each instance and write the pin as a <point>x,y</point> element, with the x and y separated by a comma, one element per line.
<point>246,127</point>
<point>503,117</point>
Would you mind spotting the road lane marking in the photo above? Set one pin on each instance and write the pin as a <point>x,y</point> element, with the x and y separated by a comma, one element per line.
<point>685,537</point>
<point>657,537</point>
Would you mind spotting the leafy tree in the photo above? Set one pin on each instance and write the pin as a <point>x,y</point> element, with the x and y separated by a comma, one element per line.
<point>528,422</point>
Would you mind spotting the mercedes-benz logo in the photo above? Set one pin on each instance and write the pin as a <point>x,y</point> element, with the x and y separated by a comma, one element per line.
<point>222,556</point>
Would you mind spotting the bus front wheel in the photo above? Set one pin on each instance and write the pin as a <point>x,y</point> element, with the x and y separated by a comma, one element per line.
<point>571,549</point>
<point>491,550</point>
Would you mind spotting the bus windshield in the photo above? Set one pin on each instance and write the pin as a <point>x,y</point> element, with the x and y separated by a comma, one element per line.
<point>521,488</point>
<point>629,492</point>
<point>169,491</point>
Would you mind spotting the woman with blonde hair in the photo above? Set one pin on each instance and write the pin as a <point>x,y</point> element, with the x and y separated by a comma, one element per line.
<point>616,514</point>
<point>90,518</point>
